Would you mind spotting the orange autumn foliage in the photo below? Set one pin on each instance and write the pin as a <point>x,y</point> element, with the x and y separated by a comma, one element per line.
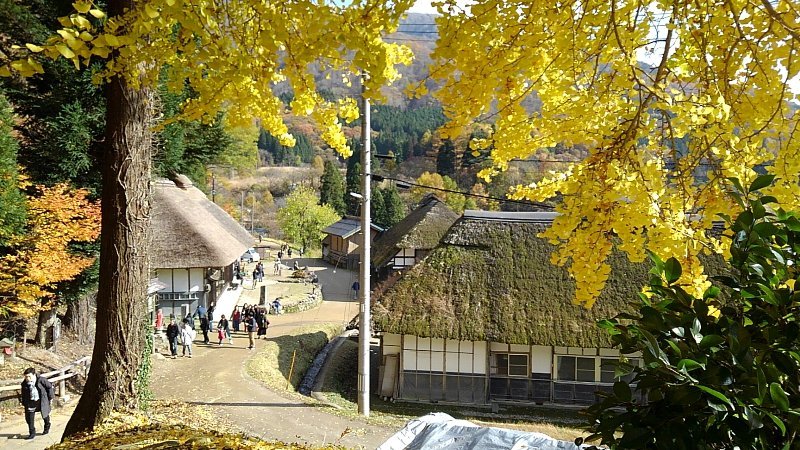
<point>57,216</point>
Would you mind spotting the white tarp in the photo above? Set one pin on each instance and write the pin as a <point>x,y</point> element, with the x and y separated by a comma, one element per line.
<point>441,431</point>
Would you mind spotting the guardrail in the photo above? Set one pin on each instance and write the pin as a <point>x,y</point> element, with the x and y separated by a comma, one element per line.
<point>60,376</point>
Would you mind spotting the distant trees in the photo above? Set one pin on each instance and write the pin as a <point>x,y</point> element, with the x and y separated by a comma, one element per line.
<point>302,152</point>
<point>439,185</point>
<point>332,188</point>
<point>302,219</point>
<point>402,130</point>
<point>12,201</point>
<point>353,179</point>
<point>446,159</point>
<point>391,209</point>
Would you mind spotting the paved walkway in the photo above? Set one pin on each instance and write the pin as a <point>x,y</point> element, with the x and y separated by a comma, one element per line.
<point>216,377</point>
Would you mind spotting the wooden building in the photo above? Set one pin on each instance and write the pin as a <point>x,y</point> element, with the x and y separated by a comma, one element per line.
<point>486,318</point>
<point>341,243</point>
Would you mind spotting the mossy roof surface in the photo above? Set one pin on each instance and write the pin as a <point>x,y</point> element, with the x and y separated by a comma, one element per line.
<point>491,279</point>
<point>422,229</point>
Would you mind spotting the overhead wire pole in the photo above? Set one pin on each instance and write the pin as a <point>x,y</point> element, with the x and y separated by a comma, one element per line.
<point>364,333</point>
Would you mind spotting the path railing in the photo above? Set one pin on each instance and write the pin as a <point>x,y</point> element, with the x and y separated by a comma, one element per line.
<point>59,376</point>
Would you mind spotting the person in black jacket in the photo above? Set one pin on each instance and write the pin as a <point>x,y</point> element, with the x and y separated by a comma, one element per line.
<point>172,336</point>
<point>36,395</point>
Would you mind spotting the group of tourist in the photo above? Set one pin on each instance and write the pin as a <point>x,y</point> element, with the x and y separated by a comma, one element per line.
<point>255,322</point>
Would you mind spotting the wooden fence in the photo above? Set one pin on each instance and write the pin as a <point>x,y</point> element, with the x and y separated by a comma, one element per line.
<point>58,377</point>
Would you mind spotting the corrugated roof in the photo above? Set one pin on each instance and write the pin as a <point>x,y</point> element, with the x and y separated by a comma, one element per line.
<point>347,227</point>
<point>188,230</point>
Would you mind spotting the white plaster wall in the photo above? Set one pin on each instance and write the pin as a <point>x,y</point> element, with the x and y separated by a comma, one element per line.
<point>423,360</point>
<point>519,348</point>
<point>409,360</point>
<point>499,347</point>
<point>423,343</point>
<point>479,357</point>
<point>541,359</point>
<point>437,361</point>
<point>180,280</point>
<point>391,344</point>
<point>196,280</point>
<point>165,276</point>
<point>609,352</point>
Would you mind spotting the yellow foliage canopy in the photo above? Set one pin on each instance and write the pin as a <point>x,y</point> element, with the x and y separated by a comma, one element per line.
<point>664,137</point>
<point>57,216</point>
<point>234,54</point>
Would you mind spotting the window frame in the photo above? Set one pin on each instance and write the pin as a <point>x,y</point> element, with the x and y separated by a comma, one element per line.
<point>598,371</point>
<point>494,366</point>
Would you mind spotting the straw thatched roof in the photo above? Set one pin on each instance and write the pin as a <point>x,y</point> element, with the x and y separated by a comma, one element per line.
<point>421,229</point>
<point>347,227</point>
<point>491,279</point>
<point>188,230</point>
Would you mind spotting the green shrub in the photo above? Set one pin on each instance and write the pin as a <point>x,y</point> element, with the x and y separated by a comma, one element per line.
<point>716,374</point>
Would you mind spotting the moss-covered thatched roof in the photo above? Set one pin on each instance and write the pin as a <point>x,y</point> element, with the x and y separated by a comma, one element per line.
<point>421,229</point>
<point>491,279</point>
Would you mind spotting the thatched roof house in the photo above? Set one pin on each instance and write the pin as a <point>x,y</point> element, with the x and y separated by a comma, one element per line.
<point>415,235</point>
<point>486,317</point>
<point>194,247</point>
<point>491,280</point>
<point>191,231</point>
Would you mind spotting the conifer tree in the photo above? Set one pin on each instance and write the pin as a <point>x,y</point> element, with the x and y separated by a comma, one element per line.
<point>446,159</point>
<point>394,206</point>
<point>377,208</point>
<point>353,180</point>
<point>332,189</point>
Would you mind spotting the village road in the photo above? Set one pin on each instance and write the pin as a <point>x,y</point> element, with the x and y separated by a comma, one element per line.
<point>216,377</point>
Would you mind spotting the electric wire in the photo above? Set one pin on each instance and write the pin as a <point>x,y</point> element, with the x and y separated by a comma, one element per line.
<point>468,194</point>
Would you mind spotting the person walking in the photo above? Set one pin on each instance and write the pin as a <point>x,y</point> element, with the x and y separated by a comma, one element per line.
<point>251,326</point>
<point>223,330</point>
<point>173,331</point>
<point>36,394</point>
<point>204,328</point>
<point>187,336</point>
<point>237,318</point>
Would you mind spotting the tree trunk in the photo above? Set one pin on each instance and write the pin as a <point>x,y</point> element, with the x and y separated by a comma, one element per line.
<point>46,320</point>
<point>124,243</point>
<point>79,317</point>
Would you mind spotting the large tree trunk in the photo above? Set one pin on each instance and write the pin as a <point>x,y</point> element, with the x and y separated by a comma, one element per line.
<point>122,290</point>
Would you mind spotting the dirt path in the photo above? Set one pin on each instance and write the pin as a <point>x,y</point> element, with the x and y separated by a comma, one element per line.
<point>216,377</point>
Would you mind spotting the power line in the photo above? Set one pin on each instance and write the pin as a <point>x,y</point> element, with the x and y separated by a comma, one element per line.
<point>468,194</point>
